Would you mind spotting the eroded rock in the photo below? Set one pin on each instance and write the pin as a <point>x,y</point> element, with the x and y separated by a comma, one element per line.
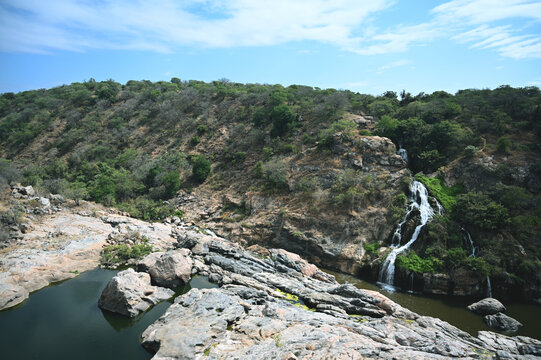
<point>487,306</point>
<point>170,269</point>
<point>130,293</point>
<point>502,322</point>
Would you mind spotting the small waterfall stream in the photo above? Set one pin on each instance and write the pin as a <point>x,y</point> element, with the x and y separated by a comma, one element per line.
<point>418,199</point>
<point>468,237</point>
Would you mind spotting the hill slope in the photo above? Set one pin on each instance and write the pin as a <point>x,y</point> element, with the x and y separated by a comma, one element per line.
<point>299,167</point>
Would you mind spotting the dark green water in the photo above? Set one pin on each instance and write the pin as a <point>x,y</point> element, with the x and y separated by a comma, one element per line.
<point>63,321</point>
<point>453,309</point>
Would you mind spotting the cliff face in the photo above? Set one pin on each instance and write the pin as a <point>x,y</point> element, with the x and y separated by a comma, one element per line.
<point>328,223</point>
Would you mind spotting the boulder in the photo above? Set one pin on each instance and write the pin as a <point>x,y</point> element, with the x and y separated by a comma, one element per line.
<point>502,322</point>
<point>130,293</point>
<point>169,269</point>
<point>487,306</point>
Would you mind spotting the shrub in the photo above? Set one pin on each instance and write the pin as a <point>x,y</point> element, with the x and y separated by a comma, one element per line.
<point>201,129</point>
<point>447,196</point>
<point>504,145</point>
<point>478,210</point>
<point>412,262</point>
<point>113,255</point>
<point>201,168</point>
<point>282,120</point>
<point>275,173</point>
<point>195,140</point>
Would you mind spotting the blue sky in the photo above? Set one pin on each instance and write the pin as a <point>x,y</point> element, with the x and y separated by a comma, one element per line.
<point>365,46</point>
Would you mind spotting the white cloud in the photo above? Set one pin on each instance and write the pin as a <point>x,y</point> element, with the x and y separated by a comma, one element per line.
<point>162,25</point>
<point>39,26</point>
<point>465,21</point>
<point>394,64</point>
<point>484,11</point>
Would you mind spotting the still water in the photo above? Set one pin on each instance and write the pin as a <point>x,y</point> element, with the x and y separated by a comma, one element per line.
<point>453,309</point>
<point>63,321</point>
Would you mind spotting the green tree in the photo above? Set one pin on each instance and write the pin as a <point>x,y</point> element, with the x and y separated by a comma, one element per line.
<point>201,168</point>
<point>282,120</point>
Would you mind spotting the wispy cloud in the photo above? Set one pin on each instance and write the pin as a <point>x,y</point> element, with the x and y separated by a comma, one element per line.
<point>163,25</point>
<point>394,64</point>
<point>38,26</point>
<point>466,21</point>
<point>475,19</point>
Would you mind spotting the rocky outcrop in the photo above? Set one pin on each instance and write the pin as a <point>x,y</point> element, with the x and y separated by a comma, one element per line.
<point>172,268</point>
<point>130,293</point>
<point>57,240</point>
<point>502,322</point>
<point>309,223</point>
<point>278,307</point>
<point>487,306</point>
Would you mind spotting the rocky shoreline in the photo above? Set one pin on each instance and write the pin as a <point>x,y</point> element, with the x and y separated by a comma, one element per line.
<point>273,304</point>
<point>56,240</point>
<point>269,303</point>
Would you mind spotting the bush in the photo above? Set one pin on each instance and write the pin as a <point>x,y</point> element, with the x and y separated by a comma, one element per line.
<point>504,145</point>
<point>447,196</point>
<point>475,209</point>
<point>282,120</point>
<point>412,262</point>
<point>113,255</point>
<point>201,168</point>
<point>275,173</point>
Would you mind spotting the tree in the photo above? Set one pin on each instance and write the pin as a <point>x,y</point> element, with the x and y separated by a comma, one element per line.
<point>201,168</point>
<point>282,120</point>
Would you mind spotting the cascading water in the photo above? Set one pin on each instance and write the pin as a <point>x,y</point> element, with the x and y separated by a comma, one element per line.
<point>472,245</point>
<point>418,199</point>
<point>467,236</point>
<point>403,154</point>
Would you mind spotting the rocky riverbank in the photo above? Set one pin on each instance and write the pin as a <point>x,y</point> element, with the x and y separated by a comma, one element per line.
<point>54,239</point>
<point>272,304</point>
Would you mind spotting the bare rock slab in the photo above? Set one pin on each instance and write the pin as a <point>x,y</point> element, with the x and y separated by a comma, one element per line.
<point>169,269</point>
<point>487,306</point>
<point>130,293</point>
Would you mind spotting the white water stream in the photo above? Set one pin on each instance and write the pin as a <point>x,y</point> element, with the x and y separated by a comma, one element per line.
<point>469,238</point>
<point>418,199</point>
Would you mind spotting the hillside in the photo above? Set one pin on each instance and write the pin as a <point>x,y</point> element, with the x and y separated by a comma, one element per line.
<point>309,170</point>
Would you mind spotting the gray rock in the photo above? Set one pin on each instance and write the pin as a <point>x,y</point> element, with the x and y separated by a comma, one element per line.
<point>238,322</point>
<point>502,322</point>
<point>487,306</point>
<point>170,269</point>
<point>44,202</point>
<point>130,293</point>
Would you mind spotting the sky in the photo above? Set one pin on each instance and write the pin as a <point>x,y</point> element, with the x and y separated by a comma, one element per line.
<point>365,46</point>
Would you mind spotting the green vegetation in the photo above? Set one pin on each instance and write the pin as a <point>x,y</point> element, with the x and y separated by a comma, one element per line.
<point>412,262</point>
<point>135,145</point>
<point>447,196</point>
<point>114,255</point>
<point>201,168</point>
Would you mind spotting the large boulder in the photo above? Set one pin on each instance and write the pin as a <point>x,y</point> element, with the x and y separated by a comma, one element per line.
<point>487,306</point>
<point>502,322</point>
<point>170,269</point>
<point>130,293</point>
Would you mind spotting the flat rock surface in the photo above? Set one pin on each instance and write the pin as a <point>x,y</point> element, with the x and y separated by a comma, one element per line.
<point>279,307</point>
<point>61,244</point>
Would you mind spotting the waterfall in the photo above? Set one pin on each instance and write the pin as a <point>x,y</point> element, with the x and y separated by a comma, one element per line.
<point>472,245</point>
<point>489,287</point>
<point>418,199</point>
<point>403,154</point>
